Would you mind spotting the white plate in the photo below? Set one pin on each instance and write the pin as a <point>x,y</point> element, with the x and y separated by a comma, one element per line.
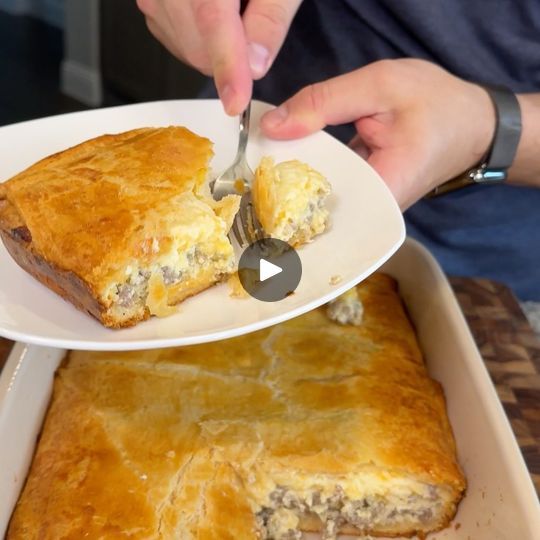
<point>367,228</point>
<point>500,503</point>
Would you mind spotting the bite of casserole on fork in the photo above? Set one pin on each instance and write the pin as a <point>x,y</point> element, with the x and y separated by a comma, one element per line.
<point>289,200</point>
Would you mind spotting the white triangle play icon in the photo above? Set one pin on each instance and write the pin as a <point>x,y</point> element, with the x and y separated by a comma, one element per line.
<point>268,270</point>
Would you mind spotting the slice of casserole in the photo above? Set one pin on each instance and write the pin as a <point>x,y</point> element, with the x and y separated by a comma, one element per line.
<point>289,200</point>
<point>307,426</point>
<point>122,225</point>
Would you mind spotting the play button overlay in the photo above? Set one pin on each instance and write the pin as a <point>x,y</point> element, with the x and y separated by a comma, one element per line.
<point>269,270</point>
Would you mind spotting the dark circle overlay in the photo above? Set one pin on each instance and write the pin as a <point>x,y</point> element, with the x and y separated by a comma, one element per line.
<point>277,287</point>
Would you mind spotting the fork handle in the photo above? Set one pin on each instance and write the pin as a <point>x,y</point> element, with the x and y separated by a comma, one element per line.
<point>244,131</point>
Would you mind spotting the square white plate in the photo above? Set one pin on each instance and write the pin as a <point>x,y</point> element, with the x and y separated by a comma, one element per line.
<point>367,228</point>
<point>500,503</point>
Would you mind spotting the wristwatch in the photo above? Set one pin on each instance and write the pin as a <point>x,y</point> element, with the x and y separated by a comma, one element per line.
<point>494,167</point>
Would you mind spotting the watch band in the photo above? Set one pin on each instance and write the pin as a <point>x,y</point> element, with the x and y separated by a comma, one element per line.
<point>503,148</point>
<point>508,128</point>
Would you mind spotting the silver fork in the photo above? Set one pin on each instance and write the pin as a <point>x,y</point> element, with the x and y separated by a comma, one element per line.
<point>237,180</point>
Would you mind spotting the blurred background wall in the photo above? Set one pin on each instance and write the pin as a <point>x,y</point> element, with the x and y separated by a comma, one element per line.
<point>134,63</point>
<point>50,11</point>
<point>63,55</point>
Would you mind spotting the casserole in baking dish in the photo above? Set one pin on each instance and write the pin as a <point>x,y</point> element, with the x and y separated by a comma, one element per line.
<point>307,426</point>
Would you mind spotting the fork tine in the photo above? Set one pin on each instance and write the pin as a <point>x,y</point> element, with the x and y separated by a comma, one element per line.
<point>244,218</point>
<point>238,228</point>
<point>246,227</point>
<point>256,228</point>
<point>242,242</point>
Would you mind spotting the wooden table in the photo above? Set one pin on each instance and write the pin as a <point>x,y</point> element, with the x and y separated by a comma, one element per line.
<point>510,350</point>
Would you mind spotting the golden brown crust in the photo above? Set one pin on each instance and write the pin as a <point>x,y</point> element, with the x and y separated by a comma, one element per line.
<point>66,284</point>
<point>86,206</point>
<point>195,439</point>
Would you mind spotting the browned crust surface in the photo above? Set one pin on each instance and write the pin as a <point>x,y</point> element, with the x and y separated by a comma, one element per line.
<point>92,206</point>
<point>68,285</point>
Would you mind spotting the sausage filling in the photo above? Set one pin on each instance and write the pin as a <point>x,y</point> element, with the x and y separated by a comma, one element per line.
<point>281,519</point>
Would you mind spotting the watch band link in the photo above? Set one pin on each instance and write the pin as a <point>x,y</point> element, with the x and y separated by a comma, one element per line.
<point>503,147</point>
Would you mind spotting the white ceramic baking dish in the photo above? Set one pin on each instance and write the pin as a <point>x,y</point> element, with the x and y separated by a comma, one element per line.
<point>500,504</point>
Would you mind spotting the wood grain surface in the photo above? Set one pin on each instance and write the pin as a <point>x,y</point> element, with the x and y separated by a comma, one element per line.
<point>510,349</point>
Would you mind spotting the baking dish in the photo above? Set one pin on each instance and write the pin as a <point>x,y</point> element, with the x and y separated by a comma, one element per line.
<point>500,502</point>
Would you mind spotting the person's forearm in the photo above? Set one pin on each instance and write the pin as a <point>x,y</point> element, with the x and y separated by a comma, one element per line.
<point>526,167</point>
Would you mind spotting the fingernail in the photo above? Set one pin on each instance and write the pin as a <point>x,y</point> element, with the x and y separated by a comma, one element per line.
<point>259,58</point>
<point>276,117</point>
<point>226,95</point>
